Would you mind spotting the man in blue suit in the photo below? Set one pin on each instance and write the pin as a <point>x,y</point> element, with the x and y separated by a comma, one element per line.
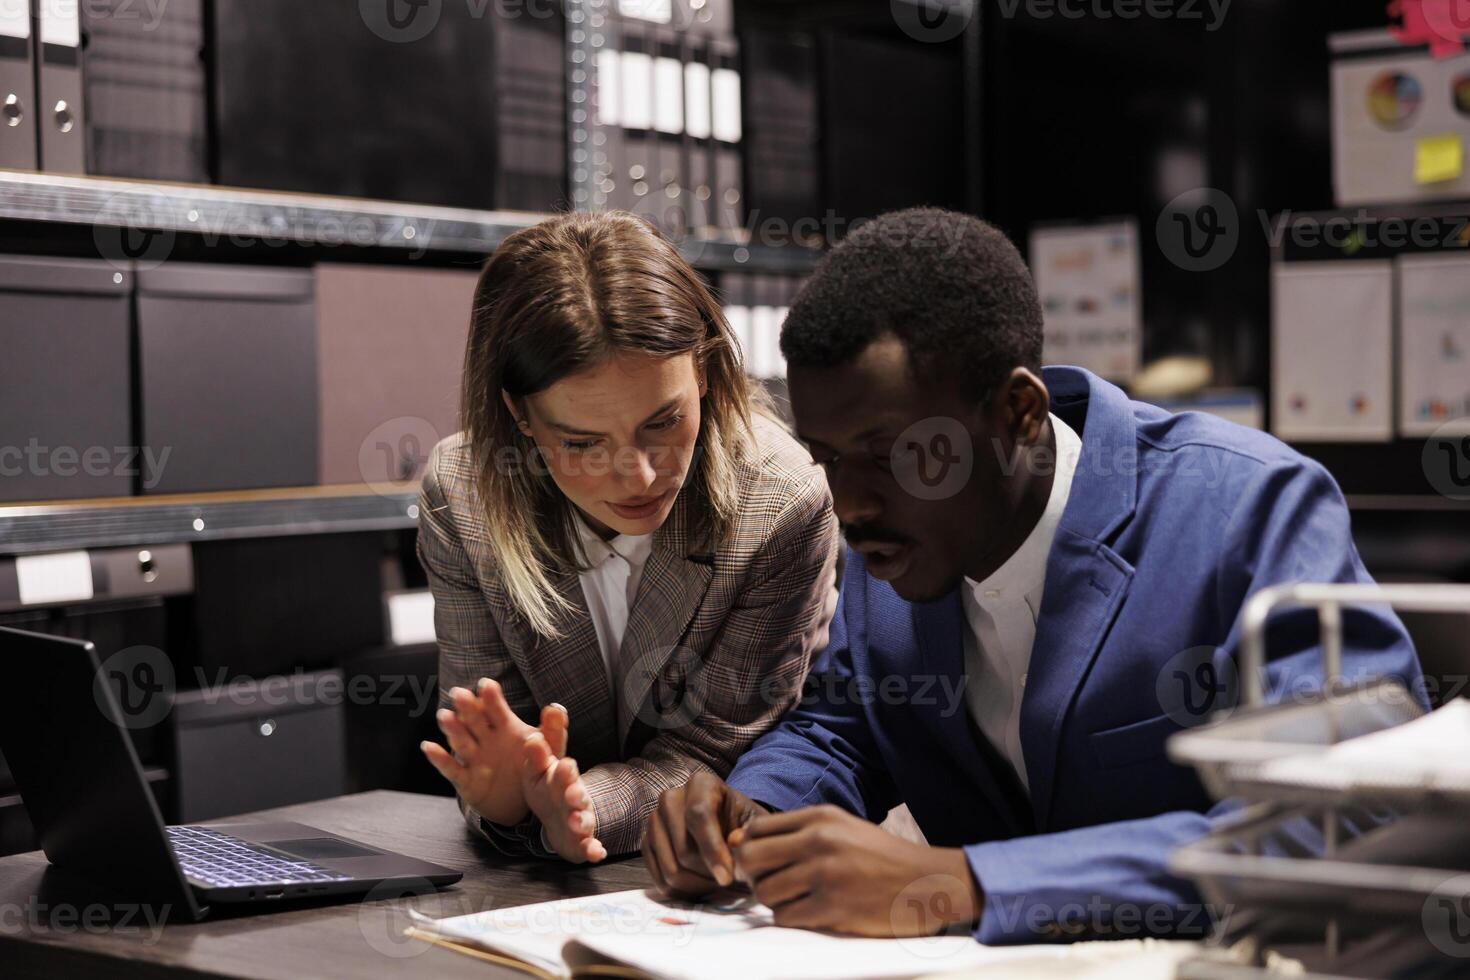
<point>1045,582</point>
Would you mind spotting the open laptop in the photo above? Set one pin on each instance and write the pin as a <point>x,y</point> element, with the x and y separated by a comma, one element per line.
<point>69,752</point>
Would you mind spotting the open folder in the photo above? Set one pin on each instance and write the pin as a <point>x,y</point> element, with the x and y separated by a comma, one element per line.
<point>634,934</point>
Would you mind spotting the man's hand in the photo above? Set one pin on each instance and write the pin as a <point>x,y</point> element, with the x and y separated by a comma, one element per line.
<point>685,842</point>
<point>487,740</point>
<point>823,868</point>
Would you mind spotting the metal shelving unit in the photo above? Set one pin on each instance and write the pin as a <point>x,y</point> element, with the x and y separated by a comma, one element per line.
<point>137,221</point>
<point>154,211</point>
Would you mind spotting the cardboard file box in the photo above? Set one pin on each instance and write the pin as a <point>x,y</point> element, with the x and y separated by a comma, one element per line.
<point>269,605</point>
<point>253,745</point>
<point>228,373</point>
<point>392,345</point>
<point>65,388</point>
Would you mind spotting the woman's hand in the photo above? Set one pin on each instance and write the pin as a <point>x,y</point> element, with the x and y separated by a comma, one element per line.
<point>553,788</point>
<point>488,742</point>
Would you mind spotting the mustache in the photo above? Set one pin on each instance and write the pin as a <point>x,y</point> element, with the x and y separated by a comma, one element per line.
<point>857,534</point>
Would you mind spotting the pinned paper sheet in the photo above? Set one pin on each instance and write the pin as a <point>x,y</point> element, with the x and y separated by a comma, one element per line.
<point>1332,351</point>
<point>1439,158</point>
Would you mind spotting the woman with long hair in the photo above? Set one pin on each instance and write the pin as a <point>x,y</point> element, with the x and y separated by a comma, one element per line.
<point>632,561</point>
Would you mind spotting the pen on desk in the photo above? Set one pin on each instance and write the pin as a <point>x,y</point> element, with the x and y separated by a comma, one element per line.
<point>737,836</point>
<point>734,839</point>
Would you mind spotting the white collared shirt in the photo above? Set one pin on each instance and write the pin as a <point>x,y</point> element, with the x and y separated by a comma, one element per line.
<point>1001,612</point>
<point>610,584</point>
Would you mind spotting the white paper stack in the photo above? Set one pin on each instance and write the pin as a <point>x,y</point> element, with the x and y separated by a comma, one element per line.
<point>1431,752</point>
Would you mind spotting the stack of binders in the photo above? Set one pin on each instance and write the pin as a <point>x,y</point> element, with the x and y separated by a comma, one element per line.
<point>454,104</point>
<point>668,114</point>
<point>782,137</point>
<point>17,89</point>
<point>66,396</point>
<point>108,87</point>
<point>530,102</point>
<point>41,119</point>
<point>145,90</point>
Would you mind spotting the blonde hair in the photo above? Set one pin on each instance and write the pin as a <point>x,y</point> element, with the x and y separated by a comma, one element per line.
<point>555,299</point>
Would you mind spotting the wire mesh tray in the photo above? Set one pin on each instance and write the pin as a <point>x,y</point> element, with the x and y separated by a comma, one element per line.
<point>1382,878</point>
<point>1424,769</point>
<point>1232,755</point>
<point>1387,954</point>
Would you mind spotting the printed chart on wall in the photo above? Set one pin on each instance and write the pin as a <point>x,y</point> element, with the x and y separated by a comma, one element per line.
<point>1088,279</point>
<point>1434,344</point>
<point>1332,351</point>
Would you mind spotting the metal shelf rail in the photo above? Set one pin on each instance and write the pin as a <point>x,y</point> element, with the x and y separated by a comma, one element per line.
<point>165,209</point>
<point>44,527</point>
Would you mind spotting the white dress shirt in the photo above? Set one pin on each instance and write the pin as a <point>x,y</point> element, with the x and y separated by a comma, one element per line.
<point>610,584</point>
<point>1001,612</point>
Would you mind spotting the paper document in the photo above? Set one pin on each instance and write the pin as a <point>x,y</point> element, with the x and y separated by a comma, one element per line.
<point>1427,752</point>
<point>1089,282</point>
<point>1434,344</point>
<point>731,936</point>
<point>1332,351</point>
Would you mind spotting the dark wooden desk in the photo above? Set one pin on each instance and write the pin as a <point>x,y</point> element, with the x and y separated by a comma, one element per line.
<point>51,930</point>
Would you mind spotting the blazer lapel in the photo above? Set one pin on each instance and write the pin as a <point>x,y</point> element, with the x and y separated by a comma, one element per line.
<point>1085,587</point>
<point>939,628</point>
<point>673,585</point>
<point>1086,581</point>
<point>575,661</point>
<point>568,669</point>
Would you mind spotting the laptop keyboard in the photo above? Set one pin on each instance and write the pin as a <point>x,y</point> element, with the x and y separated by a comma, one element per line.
<point>221,860</point>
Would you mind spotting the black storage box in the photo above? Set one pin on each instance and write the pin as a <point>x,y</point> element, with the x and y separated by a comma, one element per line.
<point>270,605</point>
<point>228,373</point>
<point>65,388</point>
<point>384,730</point>
<point>252,745</point>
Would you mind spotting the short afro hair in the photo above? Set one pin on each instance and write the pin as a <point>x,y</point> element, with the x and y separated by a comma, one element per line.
<point>949,286</point>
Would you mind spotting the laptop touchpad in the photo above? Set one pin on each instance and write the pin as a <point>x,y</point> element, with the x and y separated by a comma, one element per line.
<point>321,848</point>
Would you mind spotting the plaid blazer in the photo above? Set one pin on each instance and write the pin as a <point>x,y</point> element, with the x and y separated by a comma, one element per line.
<point>717,646</point>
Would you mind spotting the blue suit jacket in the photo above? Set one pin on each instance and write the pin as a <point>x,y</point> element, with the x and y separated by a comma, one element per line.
<point>1173,522</point>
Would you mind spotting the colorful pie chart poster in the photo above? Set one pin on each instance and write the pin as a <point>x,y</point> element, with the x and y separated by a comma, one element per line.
<point>1394,99</point>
